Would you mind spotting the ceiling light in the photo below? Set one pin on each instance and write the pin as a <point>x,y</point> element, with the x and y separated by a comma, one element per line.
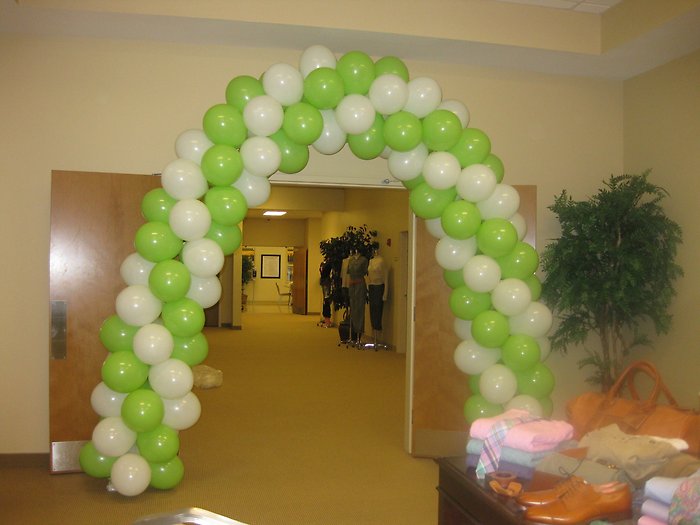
<point>271,213</point>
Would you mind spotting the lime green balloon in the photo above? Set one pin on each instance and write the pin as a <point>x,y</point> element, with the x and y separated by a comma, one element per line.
<point>222,165</point>
<point>496,237</point>
<point>191,350</point>
<point>226,204</point>
<point>323,88</point>
<point>453,278</point>
<point>142,410</point>
<point>302,123</point>
<point>167,475</point>
<point>520,352</point>
<point>466,304</point>
<point>402,131</point>
<point>490,329</point>
<point>474,384</point>
<point>357,71</point>
<point>295,156</point>
<point>472,147</point>
<point>537,381</point>
<point>184,317</point>
<point>116,335</point>
<point>93,463</point>
<point>156,205</point>
<point>461,219</point>
<point>241,89</point>
<point>414,182</point>
<point>428,202</point>
<point>227,237</point>
<point>370,144</point>
<point>441,130</point>
<point>158,445</point>
<point>124,372</point>
<point>521,262</point>
<point>169,280</point>
<point>496,165</point>
<point>477,407</point>
<point>535,285</point>
<point>156,241</point>
<point>223,124</point>
<point>391,65</point>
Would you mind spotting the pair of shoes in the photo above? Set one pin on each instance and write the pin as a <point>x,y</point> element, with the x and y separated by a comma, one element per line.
<point>541,497</point>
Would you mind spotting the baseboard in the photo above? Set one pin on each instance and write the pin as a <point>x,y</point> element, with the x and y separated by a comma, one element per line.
<point>25,460</point>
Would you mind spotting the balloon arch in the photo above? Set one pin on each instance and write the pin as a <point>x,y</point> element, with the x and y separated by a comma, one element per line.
<point>267,125</point>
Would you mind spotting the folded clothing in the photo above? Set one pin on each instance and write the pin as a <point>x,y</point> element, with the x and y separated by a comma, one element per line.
<point>685,505</point>
<point>521,471</point>
<point>655,509</point>
<point>648,520</point>
<point>661,489</point>
<point>508,454</point>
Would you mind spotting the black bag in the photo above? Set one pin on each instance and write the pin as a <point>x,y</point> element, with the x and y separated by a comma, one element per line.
<point>344,330</point>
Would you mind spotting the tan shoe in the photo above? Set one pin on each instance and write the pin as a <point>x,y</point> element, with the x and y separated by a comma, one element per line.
<point>542,497</point>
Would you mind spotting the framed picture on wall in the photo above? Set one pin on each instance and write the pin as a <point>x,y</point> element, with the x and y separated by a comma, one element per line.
<point>270,266</point>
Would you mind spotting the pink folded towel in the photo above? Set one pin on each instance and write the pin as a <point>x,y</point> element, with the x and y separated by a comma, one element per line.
<point>648,520</point>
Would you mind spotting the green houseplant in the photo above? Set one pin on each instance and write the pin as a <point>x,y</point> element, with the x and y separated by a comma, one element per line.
<point>611,272</point>
<point>247,271</point>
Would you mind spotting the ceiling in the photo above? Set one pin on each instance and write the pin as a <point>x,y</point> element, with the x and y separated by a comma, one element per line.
<point>582,6</point>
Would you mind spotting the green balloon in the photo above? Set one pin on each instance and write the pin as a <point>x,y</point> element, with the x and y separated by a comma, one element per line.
<point>537,381</point>
<point>414,182</point>
<point>142,410</point>
<point>158,445</point>
<point>441,130</point>
<point>357,71</point>
<point>169,280</point>
<point>535,286</point>
<point>184,317</point>
<point>473,146</point>
<point>391,65</point>
<point>474,384</point>
<point>520,352</point>
<point>295,156</point>
<point>302,123</point>
<point>191,350</point>
<point>156,205</point>
<point>428,202</point>
<point>124,372</point>
<point>466,304</point>
<point>222,165</point>
<point>461,219</point>
<point>496,237</point>
<point>227,237</point>
<point>521,262</point>
<point>223,124</point>
<point>402,131</point>
<point>477,407</point>
<point>490,329</point>
<point>165,476</point>
<point>370,144</point>
<point>453,278</point>
<point>241,89</point>
<point>323,88</point>
<point>116,335</point>
<point>93,463</point>
<point>156,241</point>
<point>496,165</point>
<point>226,204</point>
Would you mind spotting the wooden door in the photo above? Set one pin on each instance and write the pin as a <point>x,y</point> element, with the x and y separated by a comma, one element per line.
<point>299,278</point>
<point>94,217</point>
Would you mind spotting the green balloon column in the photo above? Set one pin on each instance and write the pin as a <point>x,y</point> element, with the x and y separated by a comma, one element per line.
<point>266,125</point>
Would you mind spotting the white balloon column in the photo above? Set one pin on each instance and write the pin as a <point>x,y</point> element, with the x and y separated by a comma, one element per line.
<point>266,126</point>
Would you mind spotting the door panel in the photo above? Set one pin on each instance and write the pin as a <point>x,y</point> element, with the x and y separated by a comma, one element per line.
<point>300,272</point>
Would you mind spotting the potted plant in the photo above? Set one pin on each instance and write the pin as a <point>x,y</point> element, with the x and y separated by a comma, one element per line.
<point>611,271</point>
<point>247,273</point>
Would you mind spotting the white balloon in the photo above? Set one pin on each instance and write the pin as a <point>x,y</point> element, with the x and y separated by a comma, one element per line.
<point>105,401</point>
<point>130,475</point>
<point>135,269</point>
<point>283,83</point>
<point>137,306</point>
<point>314,57</point>
<point>112,437</point>
<point>261,156</point>
<point>424,96</point>
<point>183,179</point>
<point>203,257</point>
<point>535,321</point>
<point>498,384</point>
<point>434,227</point>
<point>459,109</point>
<point>476,182</point>
<point>511,296</point>
<point>462,328</point>
<point>153,344</point>
<point>502,203</point>
<point>407,165</point>
<point>527,403</point>
<point>263,115</point>
<point>441,170</point>
<point>189,219</point>
<point>206,291</point>
<point>256,190</point>
<point>388,93</point>
<point>481,273</point>
<point>192,144</point>
<point>518,222</point>
<point>545,347</point>
<point>332,138</point>
<point>472,358</point>
<point>171,379</point>
<point>453,254</point>
<point>386,152</point>
<point>355,114</point>
<point>183,412</point>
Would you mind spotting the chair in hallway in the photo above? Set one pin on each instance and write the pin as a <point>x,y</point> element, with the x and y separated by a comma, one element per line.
<point>282,294</point>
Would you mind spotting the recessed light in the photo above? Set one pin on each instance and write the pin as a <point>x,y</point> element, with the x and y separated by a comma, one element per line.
<point>272,213</point>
